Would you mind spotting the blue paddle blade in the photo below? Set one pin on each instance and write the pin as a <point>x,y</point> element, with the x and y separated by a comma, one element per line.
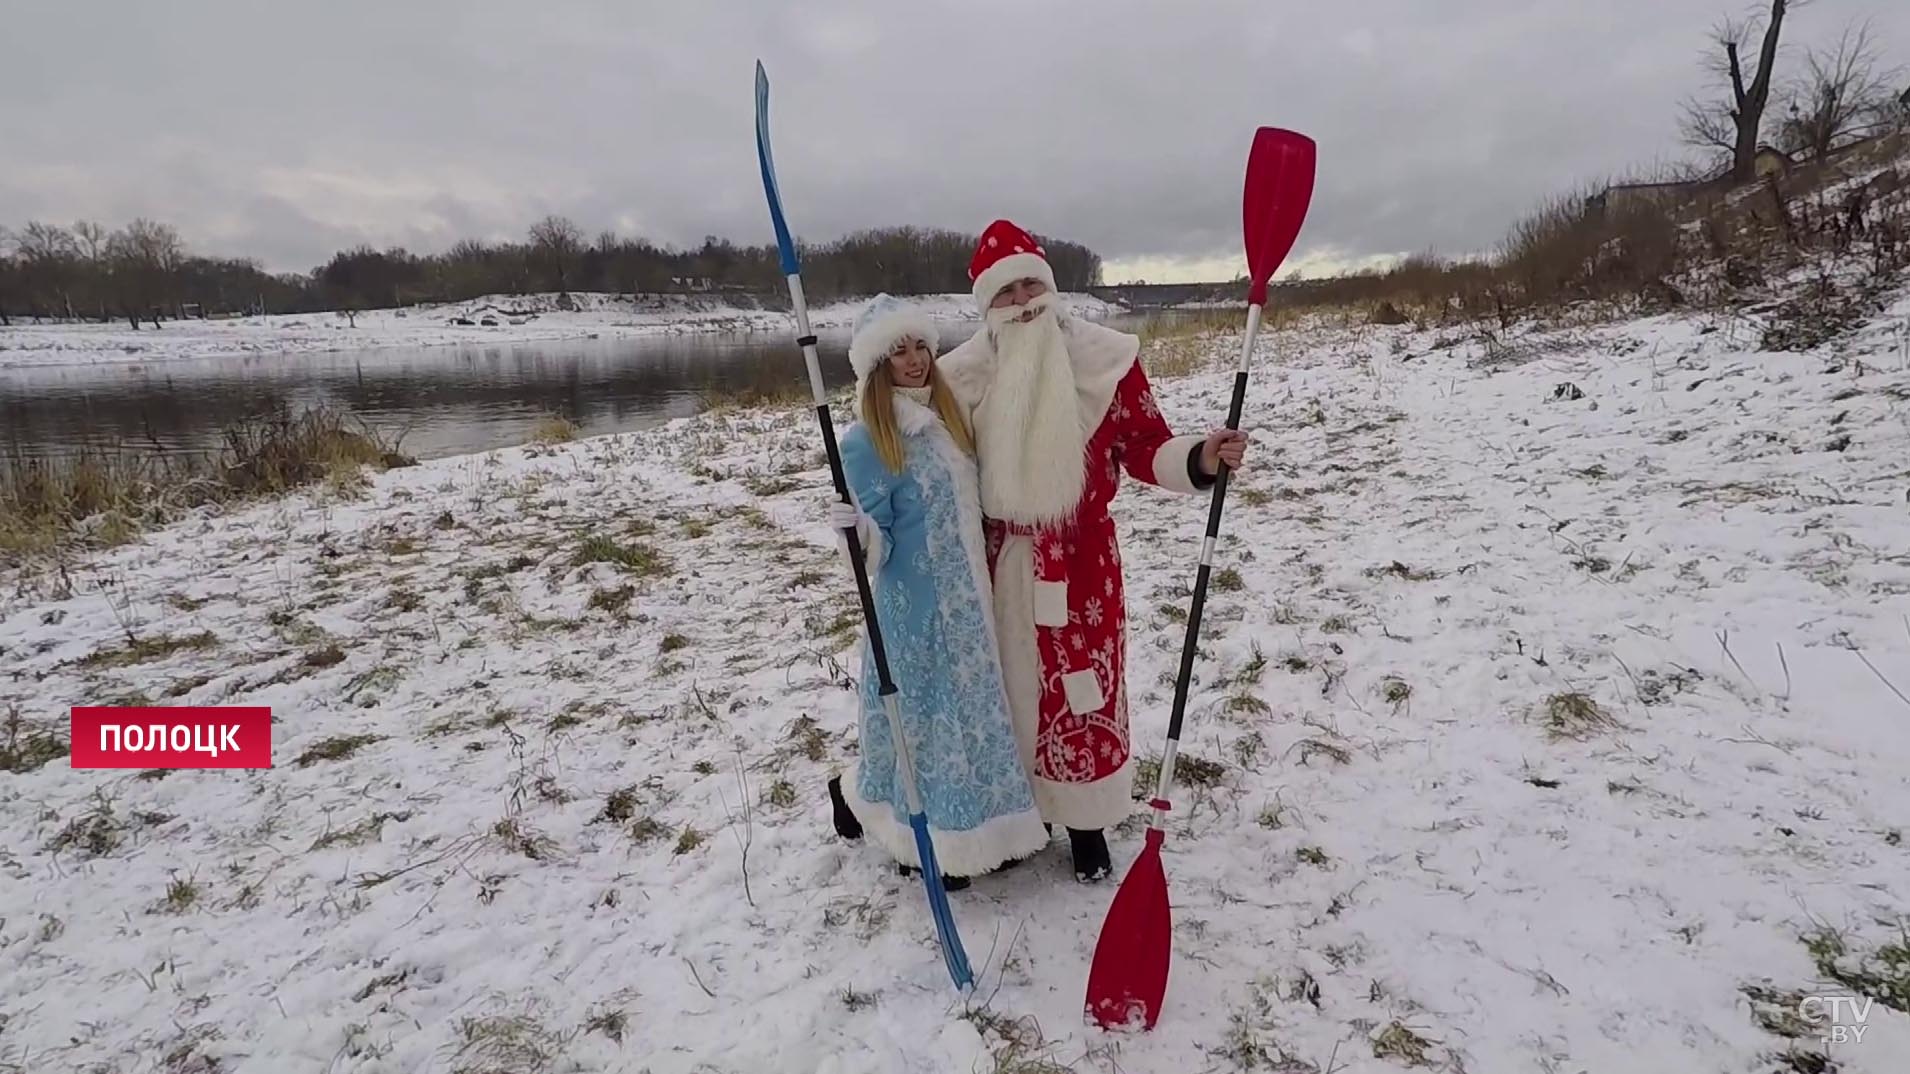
<point>784,247</point>
<point>952,952</point>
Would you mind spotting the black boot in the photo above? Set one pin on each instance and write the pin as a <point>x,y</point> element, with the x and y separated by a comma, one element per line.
<point>949,883</point>
<point>1091,862</point>
<point>847,826</point>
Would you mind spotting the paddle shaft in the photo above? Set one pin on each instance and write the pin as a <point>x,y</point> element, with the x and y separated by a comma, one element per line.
<point>806,338</point>
<point>1165,784</point>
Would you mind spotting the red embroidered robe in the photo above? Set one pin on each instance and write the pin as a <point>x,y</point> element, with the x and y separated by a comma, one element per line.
<point>1059,601</point>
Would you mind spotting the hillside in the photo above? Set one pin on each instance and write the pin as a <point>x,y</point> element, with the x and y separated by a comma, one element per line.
<point>1550,717</point>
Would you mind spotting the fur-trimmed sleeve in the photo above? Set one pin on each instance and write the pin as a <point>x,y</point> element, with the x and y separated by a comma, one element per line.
<point>1149,449</point>
<point>872,487</point>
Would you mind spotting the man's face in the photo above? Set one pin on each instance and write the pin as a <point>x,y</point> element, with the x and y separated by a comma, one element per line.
<point>1020,293</point>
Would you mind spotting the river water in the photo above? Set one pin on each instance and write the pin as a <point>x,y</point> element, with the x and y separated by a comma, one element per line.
<point>447,400</point>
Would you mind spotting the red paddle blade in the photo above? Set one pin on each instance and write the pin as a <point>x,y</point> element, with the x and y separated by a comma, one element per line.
<point>1128,980</point>
<point>1279,188</point>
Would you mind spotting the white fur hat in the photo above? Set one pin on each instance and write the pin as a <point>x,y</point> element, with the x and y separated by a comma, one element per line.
<point>880,324</point>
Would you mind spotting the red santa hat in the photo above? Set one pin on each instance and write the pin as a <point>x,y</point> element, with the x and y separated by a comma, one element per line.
<point>1005,254</point>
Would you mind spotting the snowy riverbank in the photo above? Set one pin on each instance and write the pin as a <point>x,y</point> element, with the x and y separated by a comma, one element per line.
<point>1541,731</point>
<point>495,319</point>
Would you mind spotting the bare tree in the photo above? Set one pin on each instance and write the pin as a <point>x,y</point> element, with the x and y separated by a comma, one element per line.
<point>1840,94</point>
<point>8,275</point>
<point>91,237</point>
<point>1735,125</point>
<point>558,240</point>
<point>48,257</point>
<point>145,256</point>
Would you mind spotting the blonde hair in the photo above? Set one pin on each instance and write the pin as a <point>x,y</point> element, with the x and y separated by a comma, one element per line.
<point>878,413</point>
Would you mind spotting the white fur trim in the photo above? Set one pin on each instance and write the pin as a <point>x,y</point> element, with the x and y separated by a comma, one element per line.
<point>873,343</point>
<point>1083,688</point>
<point>912,418</point>
<point>1100,357</point>
<point>1020,649</point>
<point>1006,271</point>
<point>1051,603</point>
<point>1102,804</point>
<point>996,842</point>
<point>1170,463</point>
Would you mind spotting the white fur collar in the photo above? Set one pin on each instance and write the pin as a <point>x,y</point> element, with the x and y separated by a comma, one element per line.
<point>1100,356</point>
<point>911,417</point>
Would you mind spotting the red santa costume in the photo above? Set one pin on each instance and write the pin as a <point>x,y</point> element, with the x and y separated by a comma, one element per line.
<point>1060,406</point>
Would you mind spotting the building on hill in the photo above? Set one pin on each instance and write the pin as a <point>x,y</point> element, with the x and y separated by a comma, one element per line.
<point>1770,161</point>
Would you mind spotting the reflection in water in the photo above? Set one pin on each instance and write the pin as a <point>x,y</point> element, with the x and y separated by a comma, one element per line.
<point>444,400</point>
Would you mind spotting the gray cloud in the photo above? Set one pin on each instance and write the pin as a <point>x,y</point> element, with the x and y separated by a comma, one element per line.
<point>287,133</point>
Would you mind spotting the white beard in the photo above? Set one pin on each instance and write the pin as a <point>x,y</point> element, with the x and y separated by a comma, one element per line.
<point>1030,439</point>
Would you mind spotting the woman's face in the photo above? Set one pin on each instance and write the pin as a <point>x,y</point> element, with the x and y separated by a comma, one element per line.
<point>909,362</point>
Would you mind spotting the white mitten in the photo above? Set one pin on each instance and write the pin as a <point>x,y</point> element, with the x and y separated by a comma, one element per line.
<point>842,516</point>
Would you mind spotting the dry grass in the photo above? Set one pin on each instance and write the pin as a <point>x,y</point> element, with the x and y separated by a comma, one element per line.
<point>613,601</point>
<point>181,895</point>
<point>1398,1042</point>
<point>638,558</point>
<point>1590,253</point>
<point>1190,770</point>
<point>506,1044</point>
<point>1575,717</point>
<point>793,393</point>
<point>146,650</point>
<point>96,832</point>
<point>337,748</point>
<point>1779,1012</point>
<point>363,833</point>
<point>1395,690</point>
<point>1882,974</point>
<point>24,749</point>
<point>554,429</point>
<point>620,807</point>
<point>97,498</point>
<point>518,838</point>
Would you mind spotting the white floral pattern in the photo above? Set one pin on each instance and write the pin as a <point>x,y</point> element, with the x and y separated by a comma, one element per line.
<point>937,630</point>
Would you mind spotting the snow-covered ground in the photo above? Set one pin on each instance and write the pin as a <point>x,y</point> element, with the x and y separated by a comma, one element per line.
<point>1542,728</point>
<point>514,319</point>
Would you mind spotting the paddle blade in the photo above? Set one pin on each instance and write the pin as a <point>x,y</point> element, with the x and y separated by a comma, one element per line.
<point>1279,188</point>
<point>1128,980</point>
<point>785,248</point>
<point>953,954</point>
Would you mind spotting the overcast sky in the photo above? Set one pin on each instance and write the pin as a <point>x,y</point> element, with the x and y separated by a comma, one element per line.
<point>285,131</point>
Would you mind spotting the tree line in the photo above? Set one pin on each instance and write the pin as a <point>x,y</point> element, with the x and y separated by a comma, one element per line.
<point>144,273</point>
